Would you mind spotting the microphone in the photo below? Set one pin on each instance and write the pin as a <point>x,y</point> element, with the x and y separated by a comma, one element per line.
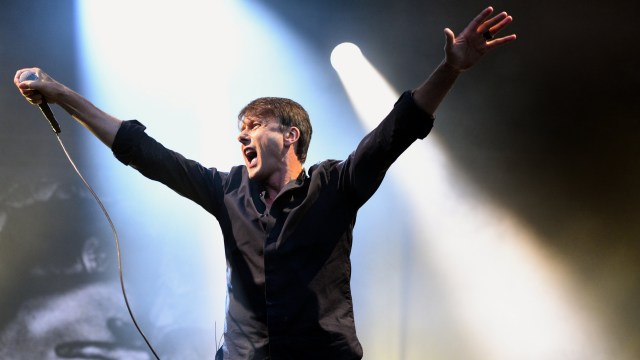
<point>44,107</point>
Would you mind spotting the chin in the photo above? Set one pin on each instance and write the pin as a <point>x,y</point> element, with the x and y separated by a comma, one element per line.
<point>254,173</point>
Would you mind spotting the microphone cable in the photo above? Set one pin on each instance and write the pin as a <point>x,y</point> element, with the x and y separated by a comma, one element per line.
<point>48,114</point>
<point>115,235</point>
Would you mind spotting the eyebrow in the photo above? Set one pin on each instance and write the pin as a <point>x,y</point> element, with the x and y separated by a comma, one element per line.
<point>249,121</point>
<point>243,124</point>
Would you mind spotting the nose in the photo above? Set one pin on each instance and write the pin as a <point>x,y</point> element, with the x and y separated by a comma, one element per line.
<point>243,138</point>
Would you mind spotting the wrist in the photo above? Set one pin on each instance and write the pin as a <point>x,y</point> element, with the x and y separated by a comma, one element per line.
<point>447,66</point>
<point>62,94</point>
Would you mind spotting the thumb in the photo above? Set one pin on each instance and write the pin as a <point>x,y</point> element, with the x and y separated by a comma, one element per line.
<point>34,85</point>
<point>450,37</point>
<point>25,85</point>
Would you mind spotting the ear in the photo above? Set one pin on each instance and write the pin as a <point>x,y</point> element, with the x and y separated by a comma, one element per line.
<point>291,136</point>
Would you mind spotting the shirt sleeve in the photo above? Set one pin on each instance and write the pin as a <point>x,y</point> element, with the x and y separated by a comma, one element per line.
<point>366,167</point>
<point>134,147</point>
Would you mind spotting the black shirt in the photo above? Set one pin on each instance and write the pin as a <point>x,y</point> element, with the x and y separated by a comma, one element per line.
<point>288,281</point>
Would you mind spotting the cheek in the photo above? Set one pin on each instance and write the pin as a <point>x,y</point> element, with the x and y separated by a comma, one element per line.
<point>276,141</point>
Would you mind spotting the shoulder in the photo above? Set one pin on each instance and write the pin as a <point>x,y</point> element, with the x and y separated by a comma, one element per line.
<point>324,166</point>
<point>325,172</point>
<point>237,176</point>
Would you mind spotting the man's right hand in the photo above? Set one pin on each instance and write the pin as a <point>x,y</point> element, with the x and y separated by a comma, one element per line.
<point>44,87</point>
<point>101,124</point>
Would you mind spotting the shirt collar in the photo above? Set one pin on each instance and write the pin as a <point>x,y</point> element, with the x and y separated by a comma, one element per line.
<point>295,183</point>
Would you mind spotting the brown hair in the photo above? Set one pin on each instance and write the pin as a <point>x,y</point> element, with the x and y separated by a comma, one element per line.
<point>289,113</point>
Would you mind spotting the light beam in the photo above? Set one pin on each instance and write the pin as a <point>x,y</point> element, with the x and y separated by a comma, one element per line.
<point>509,298</point>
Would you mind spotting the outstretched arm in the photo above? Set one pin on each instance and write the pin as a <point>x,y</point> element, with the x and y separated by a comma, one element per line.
<point>461,53</point>
<point>101,124</point>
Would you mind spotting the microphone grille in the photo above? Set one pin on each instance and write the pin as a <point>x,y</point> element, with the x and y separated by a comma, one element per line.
<point>28,75</point>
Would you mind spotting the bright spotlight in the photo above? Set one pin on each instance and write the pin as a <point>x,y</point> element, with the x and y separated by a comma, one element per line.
<point>508,297</point>
<point>369,92</point>
<point>343,54</point>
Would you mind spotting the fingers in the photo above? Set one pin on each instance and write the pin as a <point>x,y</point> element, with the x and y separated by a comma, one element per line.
<point>495,24</point>
<point>483,26</point>
<point>468,47</point>
<point>19,73</point>
<point>488,25</point>
<point>492,26</point>
<point>33,97</point>
<point>500,41</point>
<point>480,18</point>
<point>26,87</point>
<point>16,79</point>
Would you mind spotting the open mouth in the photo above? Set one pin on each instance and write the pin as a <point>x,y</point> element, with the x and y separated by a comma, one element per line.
<point>252,156</point>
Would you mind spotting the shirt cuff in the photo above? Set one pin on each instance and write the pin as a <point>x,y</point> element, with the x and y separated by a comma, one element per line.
<point>419,120</point>
<point>126,141</point>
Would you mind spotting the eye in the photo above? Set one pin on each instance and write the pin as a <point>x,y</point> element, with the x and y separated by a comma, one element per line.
<point>247,126</point>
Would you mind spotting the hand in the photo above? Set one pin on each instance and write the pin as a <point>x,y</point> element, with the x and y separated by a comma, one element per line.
<point>465,50</point>
<point>35,91</point>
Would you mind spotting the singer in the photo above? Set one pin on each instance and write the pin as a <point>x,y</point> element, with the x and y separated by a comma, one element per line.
<point>287,231</point>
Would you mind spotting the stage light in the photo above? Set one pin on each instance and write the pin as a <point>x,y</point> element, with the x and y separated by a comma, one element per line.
<point>508,297</point>
<point>357,76</point>
<point>183,69</point>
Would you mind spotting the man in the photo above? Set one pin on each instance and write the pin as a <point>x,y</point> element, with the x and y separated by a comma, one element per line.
<point>287,233</point>
<point>63,289</point>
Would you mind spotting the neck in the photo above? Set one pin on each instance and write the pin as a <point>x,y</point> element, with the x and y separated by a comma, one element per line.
<point>291,169</point>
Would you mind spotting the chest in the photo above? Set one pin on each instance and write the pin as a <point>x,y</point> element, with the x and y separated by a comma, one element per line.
<point>302,219</point>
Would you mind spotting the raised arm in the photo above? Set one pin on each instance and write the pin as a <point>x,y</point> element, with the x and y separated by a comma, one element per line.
<point>461,53</point>
<point>101,124</point>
